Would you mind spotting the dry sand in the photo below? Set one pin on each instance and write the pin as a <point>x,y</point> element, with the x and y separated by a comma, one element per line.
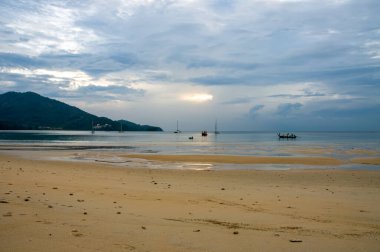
<point>69,206</point>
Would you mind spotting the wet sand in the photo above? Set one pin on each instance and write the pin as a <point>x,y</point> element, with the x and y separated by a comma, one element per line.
<point>72,206</point>
<point>369,161</point>
<point>239,159</point>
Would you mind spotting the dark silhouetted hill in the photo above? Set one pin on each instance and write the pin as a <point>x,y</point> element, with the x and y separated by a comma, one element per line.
<point>31,111</point>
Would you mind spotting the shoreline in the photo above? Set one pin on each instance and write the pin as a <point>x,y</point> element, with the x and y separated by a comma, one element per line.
<point>199,162</point>
<point>85,206</point>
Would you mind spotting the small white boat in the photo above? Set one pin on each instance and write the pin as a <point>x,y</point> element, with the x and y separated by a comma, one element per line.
<point>177,131</point>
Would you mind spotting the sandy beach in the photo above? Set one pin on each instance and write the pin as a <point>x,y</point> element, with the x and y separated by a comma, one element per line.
<point>240,159</point>
<point>79,206</point>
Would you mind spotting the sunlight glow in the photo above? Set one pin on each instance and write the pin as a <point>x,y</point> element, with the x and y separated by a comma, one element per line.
<point>198,98</point>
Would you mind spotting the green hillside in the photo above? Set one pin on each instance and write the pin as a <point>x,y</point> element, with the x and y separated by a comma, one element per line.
<point>31,111</point>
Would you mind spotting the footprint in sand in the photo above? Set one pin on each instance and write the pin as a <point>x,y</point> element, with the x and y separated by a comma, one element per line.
<point>76,233</point>
<point>8,214</point>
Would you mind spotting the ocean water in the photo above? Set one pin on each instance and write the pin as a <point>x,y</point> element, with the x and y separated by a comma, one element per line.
<point>107,146</point>
<point>334,144</point>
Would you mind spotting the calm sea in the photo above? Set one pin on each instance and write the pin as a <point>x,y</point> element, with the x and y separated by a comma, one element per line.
<point>337,144</point>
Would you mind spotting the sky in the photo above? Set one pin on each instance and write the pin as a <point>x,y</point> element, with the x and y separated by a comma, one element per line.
<point>276,65</point>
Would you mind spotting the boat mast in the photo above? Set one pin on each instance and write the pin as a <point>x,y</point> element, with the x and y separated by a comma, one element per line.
<point>216,126</point>
<point>177,131</point>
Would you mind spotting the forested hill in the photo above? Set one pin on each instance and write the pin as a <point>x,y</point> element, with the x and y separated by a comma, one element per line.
<point>31,111</point>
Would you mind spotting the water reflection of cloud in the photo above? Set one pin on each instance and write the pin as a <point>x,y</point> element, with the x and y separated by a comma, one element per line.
<point>196,166</point>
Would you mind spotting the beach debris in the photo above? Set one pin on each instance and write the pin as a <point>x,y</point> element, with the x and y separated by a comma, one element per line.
<point>76,233</point>
<point>292,240</point>
<point>55,188</point>
<point>222,188</point>
<point>80,200</point>
<point>118,213</point>
<point>4,202</point>
<point>71,194</point>
<point>85,213</point>
<point>8,214</point>
<point>26,199</point>
<point>50,206</point>
<point>197,230</point>
<point>143,227</point>
<point>235,232</point>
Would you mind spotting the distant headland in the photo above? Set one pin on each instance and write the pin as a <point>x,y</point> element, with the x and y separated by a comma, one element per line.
<point>31,111</point>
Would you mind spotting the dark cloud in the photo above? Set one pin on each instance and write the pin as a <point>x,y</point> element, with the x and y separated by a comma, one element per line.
<point>61,88</point>
<point>97,94</point>
<point>239,100</point>
<point>306,93</point>
<point>218,80</point>
<point>287,109</point>
<point>19,60</point>
<point>253,112</point>
<point>358,113</point>
<point>127,59</point>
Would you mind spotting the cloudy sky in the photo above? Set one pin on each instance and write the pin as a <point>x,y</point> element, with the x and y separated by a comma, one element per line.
<point>251,64</point>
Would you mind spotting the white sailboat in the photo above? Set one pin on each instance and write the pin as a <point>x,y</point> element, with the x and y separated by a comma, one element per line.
<point>177,131</point>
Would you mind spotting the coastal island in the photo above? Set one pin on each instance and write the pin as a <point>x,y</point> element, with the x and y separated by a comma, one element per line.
<point>31,111</point>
